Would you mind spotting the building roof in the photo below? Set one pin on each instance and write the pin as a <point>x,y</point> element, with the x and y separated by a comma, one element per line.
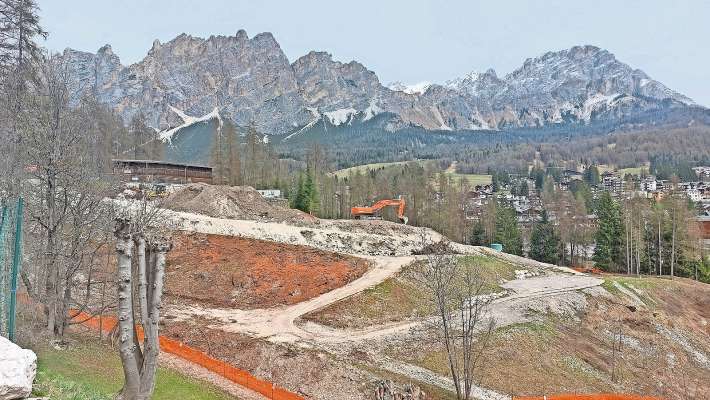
<point>169,163</point>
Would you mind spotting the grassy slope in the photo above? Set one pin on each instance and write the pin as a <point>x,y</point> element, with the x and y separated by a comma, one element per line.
<point>345,172</point>
<point>633,171</point>
<point>93,371</point>
<point>572,353</point>
<point>473,179</point>
<point>400,297</point>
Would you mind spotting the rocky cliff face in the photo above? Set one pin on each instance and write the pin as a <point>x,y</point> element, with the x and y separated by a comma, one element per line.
<point>251,80</point>
<point>247,79</point>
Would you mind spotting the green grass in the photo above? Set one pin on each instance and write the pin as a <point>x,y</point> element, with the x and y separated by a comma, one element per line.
<point>643,282</point>
<point>646,284</point>
<point>543,330</point>
<point>344,173</point>
<point>491,270</point>
<point>403,296</point>
<point>632,171</point>
<point>91,371</point>
<point>473,179</point>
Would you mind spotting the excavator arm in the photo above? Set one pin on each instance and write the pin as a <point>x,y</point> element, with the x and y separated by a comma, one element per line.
<point>359,212</point>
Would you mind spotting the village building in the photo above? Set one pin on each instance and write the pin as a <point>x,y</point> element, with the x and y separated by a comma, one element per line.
<point>151,171</point>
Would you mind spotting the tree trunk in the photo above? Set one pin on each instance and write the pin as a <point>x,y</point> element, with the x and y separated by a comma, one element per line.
<point>51,289</point>
<point>673,229</point>
<point>126,325</point>
<point>151,344</point>
<point>139,367</point>
<point>660,245</point>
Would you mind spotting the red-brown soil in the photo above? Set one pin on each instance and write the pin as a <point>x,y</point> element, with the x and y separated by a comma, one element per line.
<point>228,271</point>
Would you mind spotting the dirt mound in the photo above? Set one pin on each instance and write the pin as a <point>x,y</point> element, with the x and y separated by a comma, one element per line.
<point>377,227</point>
<point>235,202</point>
<point>440,247</point>
<point>227,271</point>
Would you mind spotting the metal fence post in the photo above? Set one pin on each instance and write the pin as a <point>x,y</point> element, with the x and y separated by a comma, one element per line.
<point>16,261</point>
<point>4,274</point>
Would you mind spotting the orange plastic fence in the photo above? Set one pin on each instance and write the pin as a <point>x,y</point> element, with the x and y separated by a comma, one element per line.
<point>236,375</point>
<point>601,396</point>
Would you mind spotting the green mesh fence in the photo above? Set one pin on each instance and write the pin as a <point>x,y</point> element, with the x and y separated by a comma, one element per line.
<point>10,262</point>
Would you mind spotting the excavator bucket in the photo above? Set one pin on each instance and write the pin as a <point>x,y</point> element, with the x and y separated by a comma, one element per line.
<point>404,219</point>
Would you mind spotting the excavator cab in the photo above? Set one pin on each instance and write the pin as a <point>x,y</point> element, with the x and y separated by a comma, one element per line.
<point>373,212</point>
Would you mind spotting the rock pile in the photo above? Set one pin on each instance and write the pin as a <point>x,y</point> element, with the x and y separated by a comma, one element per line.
<point>387,391</point>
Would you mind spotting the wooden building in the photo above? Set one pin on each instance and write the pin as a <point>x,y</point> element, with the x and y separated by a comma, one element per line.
<point>151,171</point>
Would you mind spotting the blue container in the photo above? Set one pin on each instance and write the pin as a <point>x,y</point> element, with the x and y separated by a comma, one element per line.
<point>497,246</point>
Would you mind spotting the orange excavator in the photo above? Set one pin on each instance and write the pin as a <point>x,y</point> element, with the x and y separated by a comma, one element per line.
<point>373,212</point>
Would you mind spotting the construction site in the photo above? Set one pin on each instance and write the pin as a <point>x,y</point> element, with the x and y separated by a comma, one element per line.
<point>264,301</point>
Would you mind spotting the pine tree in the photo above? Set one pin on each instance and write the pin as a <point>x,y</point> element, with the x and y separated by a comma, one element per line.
<point>539,176</point>
<point>311,194</point>
<point>19,25</point>
<point>544,241</point>
<point>234,163</point>
<point>20,56</point>
<point>591,175</point>
<point>299,199</point>
<point>495,185</point>
<point>217,160</point>
<point>478,234</point>
<point>524,189</point>
<point>140,136</point>
<point>507,232</point>
<point>610,233</point>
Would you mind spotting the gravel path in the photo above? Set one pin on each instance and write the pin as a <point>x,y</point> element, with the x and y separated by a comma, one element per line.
<point>195,371</point>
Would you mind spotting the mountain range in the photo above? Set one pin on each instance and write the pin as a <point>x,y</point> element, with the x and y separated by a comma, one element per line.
<point>251,81</point>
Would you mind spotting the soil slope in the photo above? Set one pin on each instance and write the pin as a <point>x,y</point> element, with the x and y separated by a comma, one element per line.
<point>234,202</point>
<point>229,271</point>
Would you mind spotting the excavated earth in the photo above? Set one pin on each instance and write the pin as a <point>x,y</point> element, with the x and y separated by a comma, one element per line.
<point>235,202</point>
<point>230,271</point>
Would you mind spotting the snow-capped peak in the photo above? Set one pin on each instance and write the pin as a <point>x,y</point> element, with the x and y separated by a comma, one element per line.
<point>417,88</point>
<point>475,83</point>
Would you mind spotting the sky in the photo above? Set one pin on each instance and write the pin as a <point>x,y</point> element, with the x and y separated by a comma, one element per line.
<point>411,40</point>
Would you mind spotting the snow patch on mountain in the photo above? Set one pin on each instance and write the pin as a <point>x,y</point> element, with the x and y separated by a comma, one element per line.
<point>316,118</point>
<point>440,119</point>
<point>340,116</point>
<point>416,88</point>
<point>597,102</point>
<point>167,135</point>
<point>371,110</point>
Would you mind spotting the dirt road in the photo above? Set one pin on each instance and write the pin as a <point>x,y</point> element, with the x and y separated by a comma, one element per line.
<point>278,324</point>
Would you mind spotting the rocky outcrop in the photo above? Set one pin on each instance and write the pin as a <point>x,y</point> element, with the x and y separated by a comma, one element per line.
<point>247,79</point>
<point>252,81</point>
<point>17,370</point>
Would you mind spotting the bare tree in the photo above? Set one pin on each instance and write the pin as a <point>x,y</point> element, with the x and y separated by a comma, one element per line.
<point>463,323</point>
<point>58,148</point>
<point>141,247</point>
